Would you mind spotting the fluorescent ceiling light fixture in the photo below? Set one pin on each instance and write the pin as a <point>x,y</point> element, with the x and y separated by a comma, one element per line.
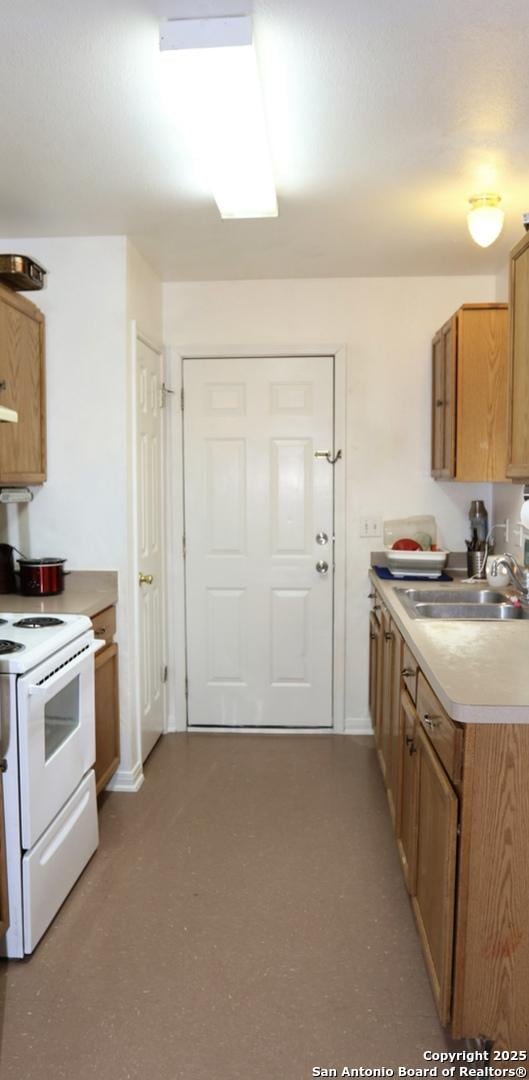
<point>485,218</point>
<point>216,86</point>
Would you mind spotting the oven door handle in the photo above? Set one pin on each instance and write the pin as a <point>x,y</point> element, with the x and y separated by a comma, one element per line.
<point>42,688</point>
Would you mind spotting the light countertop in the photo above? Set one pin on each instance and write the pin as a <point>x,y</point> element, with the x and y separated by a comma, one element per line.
<point>86,592</point>
<point>479,670</point>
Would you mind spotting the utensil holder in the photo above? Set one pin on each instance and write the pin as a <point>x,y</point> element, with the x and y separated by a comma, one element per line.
<point>476,561</point>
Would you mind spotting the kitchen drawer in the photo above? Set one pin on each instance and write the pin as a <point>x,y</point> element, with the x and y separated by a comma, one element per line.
<point>444,735</point>
<point>104,624</point>
<point>409,672</point>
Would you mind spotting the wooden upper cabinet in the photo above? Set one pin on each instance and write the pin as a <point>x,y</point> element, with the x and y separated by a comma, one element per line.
<point>469,395</point>
<point>22,387</point>
<point>518,436</point>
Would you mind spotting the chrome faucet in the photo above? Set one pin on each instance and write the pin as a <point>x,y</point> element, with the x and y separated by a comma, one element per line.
<point>518,575</point>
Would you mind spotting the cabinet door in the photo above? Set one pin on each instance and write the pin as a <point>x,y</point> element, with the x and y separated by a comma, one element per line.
<point>434,899</point>
<point>374,650</point>
<point>438,389</point>
<point>518,437</point>
<point>386,688</point>
<point>4,907</point>
<point>444,363</point>
<point>449,333</point>
<point>407,815</point>
<point>394,762</point>
<point>22,445</point>
<point>107,715</point>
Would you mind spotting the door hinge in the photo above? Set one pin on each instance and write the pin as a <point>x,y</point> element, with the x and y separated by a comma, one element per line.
<point>165,672</point>
<point>187,687</point>
<point>182,399</point>
<point>184,546</point>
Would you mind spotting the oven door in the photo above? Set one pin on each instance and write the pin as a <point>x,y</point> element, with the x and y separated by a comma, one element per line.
<point>56,727</point>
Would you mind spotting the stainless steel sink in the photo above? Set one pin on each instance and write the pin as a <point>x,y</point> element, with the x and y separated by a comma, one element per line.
<point>467,611</point>
<point>460,603</point>
<point>455,596</point>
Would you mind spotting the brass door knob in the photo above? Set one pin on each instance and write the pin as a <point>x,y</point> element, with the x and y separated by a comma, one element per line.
<point>145,579</point>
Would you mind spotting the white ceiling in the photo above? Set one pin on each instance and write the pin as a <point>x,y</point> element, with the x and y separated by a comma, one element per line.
<point>383,118</point>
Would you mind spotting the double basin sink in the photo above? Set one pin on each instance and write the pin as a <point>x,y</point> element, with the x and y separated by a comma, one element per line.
<point>461,603</point>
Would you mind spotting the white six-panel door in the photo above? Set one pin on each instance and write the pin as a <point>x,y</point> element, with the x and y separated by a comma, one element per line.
<point>259,613</point>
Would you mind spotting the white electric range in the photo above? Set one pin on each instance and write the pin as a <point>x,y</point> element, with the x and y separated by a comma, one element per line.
<point>47,741</point>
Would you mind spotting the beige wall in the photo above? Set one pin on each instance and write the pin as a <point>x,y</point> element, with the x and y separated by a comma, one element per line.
<point>386,326</point>
<point>96,285</point>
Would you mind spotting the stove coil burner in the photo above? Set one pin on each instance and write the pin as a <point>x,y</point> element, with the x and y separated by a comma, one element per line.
<point>7,647</point>
<point>39,622</point>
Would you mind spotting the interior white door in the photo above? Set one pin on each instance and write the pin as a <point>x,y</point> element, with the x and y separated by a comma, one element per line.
<point>259,609</point>
<point>149,533</point>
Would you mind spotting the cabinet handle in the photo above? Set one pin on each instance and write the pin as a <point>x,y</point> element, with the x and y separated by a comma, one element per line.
<point>376,607</point>
<point>407,672</point>
<point>101,632</point>
<point>3,384</point>
<point>439,402</point>
<point>412,748</point>
<point>431,721</point>
<point>372,636</point>
<point>371,595</point>
<point>388,635</point>
<point>409,740</point>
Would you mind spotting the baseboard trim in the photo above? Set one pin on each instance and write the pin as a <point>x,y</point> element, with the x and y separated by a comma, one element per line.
<point>357,725</point>
<point>127,779</point>
<point>258,730</point>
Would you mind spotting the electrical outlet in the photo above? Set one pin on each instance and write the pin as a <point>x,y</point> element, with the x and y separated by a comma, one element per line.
<point>370,526</point>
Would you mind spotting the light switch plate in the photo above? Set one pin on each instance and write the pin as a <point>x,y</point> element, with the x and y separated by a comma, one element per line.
<point>370,526</point>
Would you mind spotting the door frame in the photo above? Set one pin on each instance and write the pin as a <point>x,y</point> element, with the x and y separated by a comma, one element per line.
<point>174,488</point>
<point>138,336</point>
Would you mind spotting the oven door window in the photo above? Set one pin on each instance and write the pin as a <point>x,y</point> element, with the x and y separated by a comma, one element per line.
<point>61,717</point>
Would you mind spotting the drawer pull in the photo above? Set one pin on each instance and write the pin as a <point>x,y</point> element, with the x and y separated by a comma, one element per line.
<point>372,636</point>
<point>431,721</point>
<point>408,672</point>
<point>101,631</point>
<point>371,595</point>
<point>388,635</point>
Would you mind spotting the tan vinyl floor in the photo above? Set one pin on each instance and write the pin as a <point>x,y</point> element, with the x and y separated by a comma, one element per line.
<point>244,918</point>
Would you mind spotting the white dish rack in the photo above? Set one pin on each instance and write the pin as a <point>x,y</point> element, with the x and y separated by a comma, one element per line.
<point>428,564</point>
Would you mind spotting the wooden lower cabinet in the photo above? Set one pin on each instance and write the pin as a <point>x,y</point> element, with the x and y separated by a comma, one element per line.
<point>433,897</point>
<point>460,794</point>
<point>374,658</point>
<point>4,905</point>
<point>407,815</point>
<point>106,706</point>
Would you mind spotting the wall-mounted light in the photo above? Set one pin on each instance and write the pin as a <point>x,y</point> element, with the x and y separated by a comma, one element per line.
<point>215,80</point>
<point>485,218</point>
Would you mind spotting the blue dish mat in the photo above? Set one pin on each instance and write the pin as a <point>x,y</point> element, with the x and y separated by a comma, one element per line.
<point>385,572</point>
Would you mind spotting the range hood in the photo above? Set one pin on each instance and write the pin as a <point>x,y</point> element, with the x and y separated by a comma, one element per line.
<point>8,416</point>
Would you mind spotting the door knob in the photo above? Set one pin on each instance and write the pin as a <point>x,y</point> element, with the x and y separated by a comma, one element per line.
<point>322,567</point>
<point>145,579</point>
<point>322,538</point>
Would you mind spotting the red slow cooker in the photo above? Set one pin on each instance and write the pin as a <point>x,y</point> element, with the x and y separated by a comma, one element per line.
<point>41,577</point>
